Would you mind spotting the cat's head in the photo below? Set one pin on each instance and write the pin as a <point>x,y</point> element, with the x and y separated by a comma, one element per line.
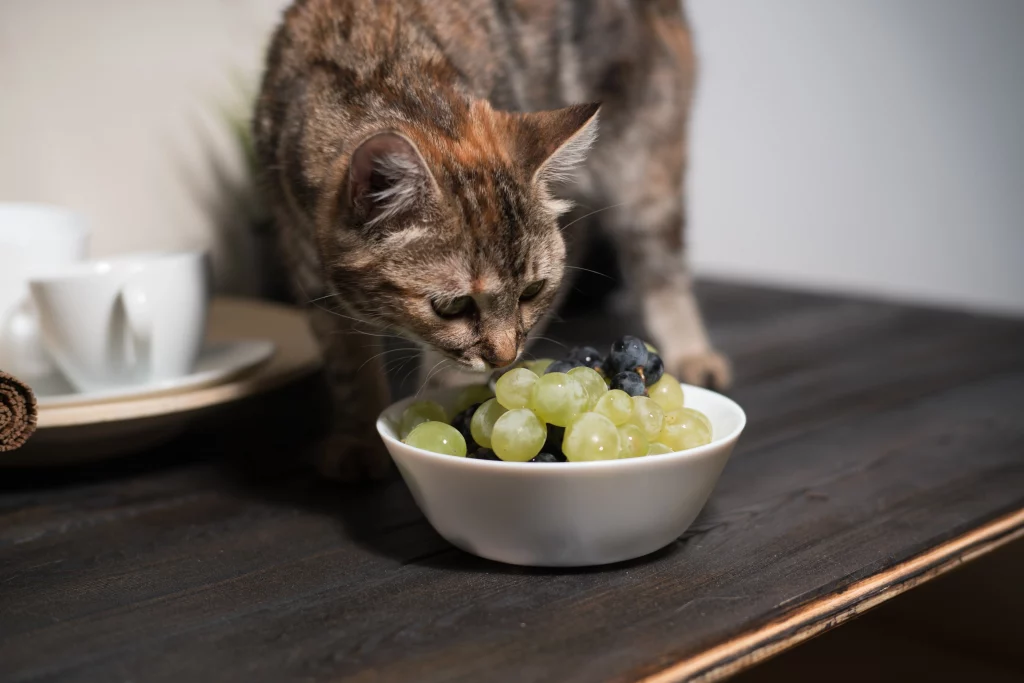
<point>454,240</point>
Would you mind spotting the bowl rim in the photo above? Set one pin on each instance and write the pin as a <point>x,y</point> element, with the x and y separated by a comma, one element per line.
<point>562,467</point>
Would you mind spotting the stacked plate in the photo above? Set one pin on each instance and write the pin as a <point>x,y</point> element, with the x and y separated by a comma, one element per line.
<point>251,347</point>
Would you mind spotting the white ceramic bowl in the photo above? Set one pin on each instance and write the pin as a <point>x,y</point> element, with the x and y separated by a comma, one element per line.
<point>566,514</point>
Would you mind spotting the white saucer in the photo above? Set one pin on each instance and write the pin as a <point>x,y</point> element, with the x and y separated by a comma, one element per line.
<point>91,431</point>
<point>218,361</point>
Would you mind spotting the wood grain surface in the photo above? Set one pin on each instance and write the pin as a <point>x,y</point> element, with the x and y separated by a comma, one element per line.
<point>884,442</point>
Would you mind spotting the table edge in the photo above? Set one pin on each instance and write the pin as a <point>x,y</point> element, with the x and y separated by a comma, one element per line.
<point>827,612</point>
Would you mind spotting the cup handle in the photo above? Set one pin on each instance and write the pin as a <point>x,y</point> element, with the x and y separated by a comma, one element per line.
<point>16,322</point>
<point>140,324</point>
<point>21,330</point>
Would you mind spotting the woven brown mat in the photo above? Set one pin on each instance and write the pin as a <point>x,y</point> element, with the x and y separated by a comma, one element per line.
<point>17,413</point>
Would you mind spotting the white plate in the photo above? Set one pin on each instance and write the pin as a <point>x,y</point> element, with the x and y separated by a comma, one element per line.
<point>217,362</point>
<point>98,430</point>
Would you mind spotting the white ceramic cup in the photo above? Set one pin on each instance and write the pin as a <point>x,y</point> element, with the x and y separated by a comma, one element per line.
<point>34,239</point>
<point>124,321</point>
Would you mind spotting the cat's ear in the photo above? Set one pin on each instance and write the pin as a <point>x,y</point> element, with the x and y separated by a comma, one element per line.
<point>387,177</point>
<point>556,142</point>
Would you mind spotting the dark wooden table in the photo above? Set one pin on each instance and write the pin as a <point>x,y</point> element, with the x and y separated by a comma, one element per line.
<point>885,445</point>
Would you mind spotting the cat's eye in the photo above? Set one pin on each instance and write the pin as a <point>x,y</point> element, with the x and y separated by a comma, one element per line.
<point>532,290</point>
<point>452,308</point>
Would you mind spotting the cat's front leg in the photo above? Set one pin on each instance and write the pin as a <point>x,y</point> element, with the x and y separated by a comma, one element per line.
<point>648,232</point>
<point>672,316</point>
<point>352,450</point>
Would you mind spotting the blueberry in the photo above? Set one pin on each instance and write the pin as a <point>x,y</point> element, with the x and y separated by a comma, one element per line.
<point>548,457</point>
<point>630,382</point>
<point>628,353</point>
<point>562,366</point>
<point>461,423</point>
<point>553,444</point>
<point>484,454</point>
<point>653,369</point>
<point>586,355</point>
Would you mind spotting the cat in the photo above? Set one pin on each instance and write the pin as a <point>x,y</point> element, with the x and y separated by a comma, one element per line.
<point>421,157</point>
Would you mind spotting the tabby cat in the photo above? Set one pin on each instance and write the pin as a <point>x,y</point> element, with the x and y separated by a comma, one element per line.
<point>419,157</point>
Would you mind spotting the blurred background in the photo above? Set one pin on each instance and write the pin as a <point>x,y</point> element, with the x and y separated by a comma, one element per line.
<point>863,146</point>
<point>869,147</point>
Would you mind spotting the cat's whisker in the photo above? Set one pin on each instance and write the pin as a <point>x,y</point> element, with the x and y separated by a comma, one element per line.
<point>341,315</point>
<point>377,355</point>
<point>405,377</point>
<point>399,362</point>
<point>588,270</point>
<point>434,370</point>
<point>549,339</point>
<point>397,348</point>
<point>374,334</point>
<point>322,298</point>
<point>588,215</point>
<point>392,370</point>
<point>428,375</point>
<point>315,301</point>
<point>368,334</point>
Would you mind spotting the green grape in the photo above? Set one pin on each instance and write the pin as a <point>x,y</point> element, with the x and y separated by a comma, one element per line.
<point>438,437</point>
<point>632,441</point>
<point>679,414</point>
<point>558,398</point>
<point>592,381</point>
<point>667,392</point>
<point>647,415</point>
<point>418,413</point>
<point>616,405</point>
<point>657,448</point>
<point>591,436</point>
<point>702,417</point>
<point>518,435</point>
<point>689,431</point>
<point>539,366</point>
<point>650,348</point>
<point>471,395</point>
<point>483,421</point>
<point>515,387</point>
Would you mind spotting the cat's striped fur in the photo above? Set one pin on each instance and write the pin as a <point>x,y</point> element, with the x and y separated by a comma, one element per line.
<point>418,151</point>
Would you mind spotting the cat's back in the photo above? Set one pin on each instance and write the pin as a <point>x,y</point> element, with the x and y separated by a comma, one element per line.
<point>519,54</point>
<point>373,37</point>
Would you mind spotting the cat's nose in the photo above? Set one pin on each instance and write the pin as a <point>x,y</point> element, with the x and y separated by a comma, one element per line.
<point>500,349</point>
<point>501,361</point>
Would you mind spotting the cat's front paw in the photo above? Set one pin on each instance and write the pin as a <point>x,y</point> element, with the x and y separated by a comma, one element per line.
<point>706,369</point>
<point>347,458</point>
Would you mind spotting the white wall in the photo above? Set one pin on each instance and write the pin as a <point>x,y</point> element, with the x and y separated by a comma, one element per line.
<point>116,108</point>
<point>865,145</point>
<point>868,145</point>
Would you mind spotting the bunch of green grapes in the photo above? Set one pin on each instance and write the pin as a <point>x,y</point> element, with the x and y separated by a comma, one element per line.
<point>584,407</point>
